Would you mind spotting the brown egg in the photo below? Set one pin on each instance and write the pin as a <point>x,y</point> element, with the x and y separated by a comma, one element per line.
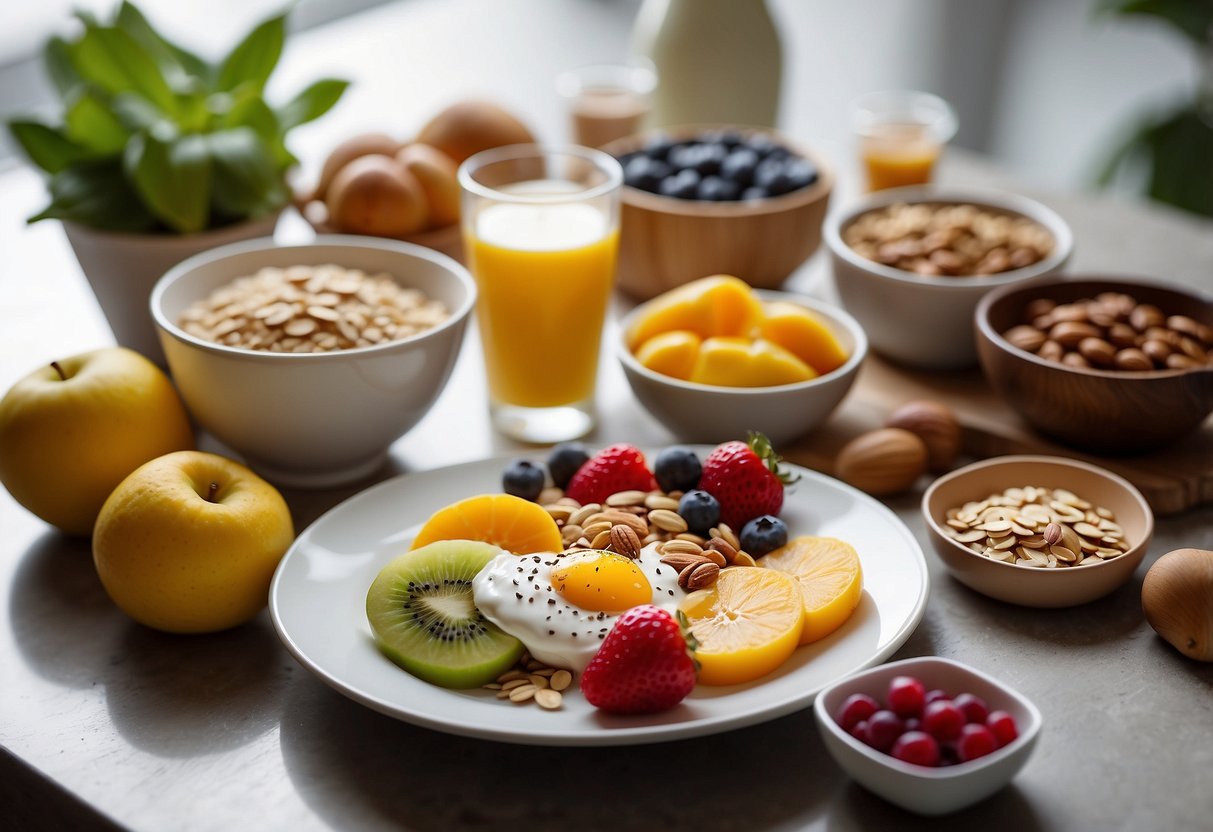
<point>436,173</point>
<point>376,195</point>
<point>468,127</point>
<point>364,144</point>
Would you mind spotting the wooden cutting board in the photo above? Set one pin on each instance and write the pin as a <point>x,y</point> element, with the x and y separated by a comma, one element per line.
<point>1173,480</point>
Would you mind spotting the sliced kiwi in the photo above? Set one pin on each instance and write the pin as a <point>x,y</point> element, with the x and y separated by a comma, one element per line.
<point>423,617</point>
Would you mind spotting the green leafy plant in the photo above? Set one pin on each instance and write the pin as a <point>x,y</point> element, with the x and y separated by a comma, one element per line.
<point>1171,151</point>
<point>153,138</point>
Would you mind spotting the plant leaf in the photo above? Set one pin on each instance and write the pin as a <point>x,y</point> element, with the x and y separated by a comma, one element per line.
<point>1192,17</point>
<point>312,103</point>
<point>254,58</point>
<point>173,60</point>
<point>172,177</point>
<point>96,193</point>
<point>1182,155</point>
<point>91,123</point>
<point>247,182</point>
<point>135,112</point>
<point>47,147</point>
<point>114,62</point>
<point>58,59</point>
<point>248,109</point>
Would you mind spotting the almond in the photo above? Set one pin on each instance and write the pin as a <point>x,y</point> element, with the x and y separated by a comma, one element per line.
<point>881,462</point>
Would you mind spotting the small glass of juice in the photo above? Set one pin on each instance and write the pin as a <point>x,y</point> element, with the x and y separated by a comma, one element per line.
<point>901,134</point>
<point>541,235</point>
<point>607,101</point>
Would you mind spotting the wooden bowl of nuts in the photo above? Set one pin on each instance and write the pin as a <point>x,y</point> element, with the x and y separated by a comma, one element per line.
<point>912,263</point>
<point>702,200</point>
<point>1113,366</point>
<point>1039,531</point>
<point>310,360</point>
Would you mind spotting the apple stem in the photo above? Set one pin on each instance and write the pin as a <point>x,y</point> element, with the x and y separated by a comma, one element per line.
<point>210,492</point>
<point>59,370</point>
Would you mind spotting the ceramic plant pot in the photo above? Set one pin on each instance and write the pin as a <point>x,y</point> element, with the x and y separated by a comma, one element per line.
<point>122,268</point>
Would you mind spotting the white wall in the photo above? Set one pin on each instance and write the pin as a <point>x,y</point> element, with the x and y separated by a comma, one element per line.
<point>1072,84</point>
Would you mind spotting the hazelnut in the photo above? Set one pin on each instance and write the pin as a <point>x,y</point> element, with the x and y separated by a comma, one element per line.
<point>881,462</point>
<point>936,425</point>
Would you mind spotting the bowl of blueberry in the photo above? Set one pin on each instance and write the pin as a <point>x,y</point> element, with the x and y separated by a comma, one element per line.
<point>930,735</point>
<point>709,200</point>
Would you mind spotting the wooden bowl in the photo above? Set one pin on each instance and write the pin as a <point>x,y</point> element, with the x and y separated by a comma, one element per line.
<point>1031,586</point>
<point>1107,411</point>
<point>665,242</point>
<point>448,239</point>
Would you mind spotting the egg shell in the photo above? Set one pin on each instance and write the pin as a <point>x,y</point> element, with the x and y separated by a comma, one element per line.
<point>375,195</point>
<point>436,173</point>
<point>363,144</point>
<point>468,127</point>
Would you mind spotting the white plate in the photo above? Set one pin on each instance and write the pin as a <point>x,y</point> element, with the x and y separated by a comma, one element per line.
<point>318,603</point>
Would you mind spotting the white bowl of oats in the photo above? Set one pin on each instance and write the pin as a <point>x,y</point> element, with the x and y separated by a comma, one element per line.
<point>311,360</point>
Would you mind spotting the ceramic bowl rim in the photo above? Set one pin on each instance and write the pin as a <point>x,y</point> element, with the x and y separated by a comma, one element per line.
<point>185,268</point>
<point>943,773</point>
<point>981,318</point>
<point>835,314</point>
<point>1007,201</point>
<point>1134,552</point>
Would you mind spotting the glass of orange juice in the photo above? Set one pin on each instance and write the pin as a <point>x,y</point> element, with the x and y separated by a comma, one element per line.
<point>901,134</point>
<point>541,234</point>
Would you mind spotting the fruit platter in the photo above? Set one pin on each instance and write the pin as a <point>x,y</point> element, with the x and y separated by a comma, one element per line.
<point>333,564</point>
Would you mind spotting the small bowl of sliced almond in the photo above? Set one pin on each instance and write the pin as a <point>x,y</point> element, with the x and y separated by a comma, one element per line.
<point>1038,531</point>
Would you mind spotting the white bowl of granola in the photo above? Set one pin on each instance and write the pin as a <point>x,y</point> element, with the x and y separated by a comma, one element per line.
<point>321,356</point>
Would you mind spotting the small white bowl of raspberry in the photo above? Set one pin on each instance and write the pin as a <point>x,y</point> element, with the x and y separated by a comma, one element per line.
<point>930,734</point>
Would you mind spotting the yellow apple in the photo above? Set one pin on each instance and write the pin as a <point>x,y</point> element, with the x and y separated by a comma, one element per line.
<point>70,432</point>
<point>188,543</point>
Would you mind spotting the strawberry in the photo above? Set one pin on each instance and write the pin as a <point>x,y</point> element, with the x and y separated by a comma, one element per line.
<point>746,479</point>
<point>617,468</point>
<point>646,664</point>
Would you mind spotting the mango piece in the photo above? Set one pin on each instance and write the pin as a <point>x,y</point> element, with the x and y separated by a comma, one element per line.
<point>671,353</point>
<point>740,362</point>
<point>718,305</point>
<point>802,333</point>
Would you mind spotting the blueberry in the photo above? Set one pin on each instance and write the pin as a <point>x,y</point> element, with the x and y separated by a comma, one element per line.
<point>658,147</point>
<point>700,509</point>
<point>762,144</point>
<point>645,173</point>
<point>739,166</point>
<point>683,185</point>
<point>715,189</point>
<point>800,172</point>
<point>772,174</point>
<point>522,478</point>
<point>564,461</point>
<point>683,156</point>
<point>763,534</point>
<point>754,192</point>
<point>710,157</point>
<point>677,468</point>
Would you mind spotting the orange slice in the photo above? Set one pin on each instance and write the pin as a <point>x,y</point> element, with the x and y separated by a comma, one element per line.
<point>740,362</point>
<point>716,305</point>
<point>746,625</point>
<point>830,579</point>
<point>670,353</point>
<point>514,524</point>
<point>804,334</point>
